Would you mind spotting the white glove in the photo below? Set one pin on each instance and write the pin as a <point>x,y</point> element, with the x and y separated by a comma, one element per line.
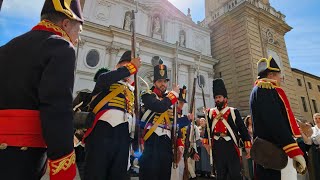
<point>299,163</point>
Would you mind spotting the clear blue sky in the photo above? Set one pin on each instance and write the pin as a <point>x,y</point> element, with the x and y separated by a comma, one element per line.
<point>303,41</point>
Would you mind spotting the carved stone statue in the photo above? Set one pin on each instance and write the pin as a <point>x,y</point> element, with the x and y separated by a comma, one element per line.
<point>156,25</point>
<point>182,39</point>
<point>127,22</point>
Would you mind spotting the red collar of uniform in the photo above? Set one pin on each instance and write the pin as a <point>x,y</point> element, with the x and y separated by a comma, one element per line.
<point>46,25</point>
<point>157,92</point>
<point>272,84</point>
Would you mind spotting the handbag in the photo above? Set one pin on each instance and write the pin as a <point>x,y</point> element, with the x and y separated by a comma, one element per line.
<point>268,154</point>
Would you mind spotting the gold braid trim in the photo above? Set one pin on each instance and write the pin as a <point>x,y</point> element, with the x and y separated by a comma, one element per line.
<point>62,164</point>
<point>289,146</point>
<point>266,83</point>
<point>54,28</point>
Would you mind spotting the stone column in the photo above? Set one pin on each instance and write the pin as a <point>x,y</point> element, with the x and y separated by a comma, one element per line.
<point>209,84</point>
<point>107,59</point>
<point>192,73</point>
<point>79,53</point>
<point>113,54</point>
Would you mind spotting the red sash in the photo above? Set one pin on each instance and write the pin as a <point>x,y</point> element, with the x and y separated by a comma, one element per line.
<point>21,128</point>
<point>88,132</point>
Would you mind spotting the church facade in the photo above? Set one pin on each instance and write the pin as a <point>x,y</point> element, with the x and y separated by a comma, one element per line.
<point>159,25</point>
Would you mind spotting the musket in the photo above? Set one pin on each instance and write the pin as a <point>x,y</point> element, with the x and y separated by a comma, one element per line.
<point>201,85</point>
<point>136,82</point>
<point>175,114</point>
<point>187,141</point>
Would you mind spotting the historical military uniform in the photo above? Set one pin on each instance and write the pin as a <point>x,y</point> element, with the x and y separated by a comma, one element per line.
<point>156,121</point>
<point>37,77</point>
<point>273,120</point>
<point>225,126</point>
<point>80,104</point>
<point>184,135</point>
<point>107,141</point>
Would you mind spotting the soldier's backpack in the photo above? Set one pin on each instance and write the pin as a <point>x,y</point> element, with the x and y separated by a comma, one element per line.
<point>81,110</point>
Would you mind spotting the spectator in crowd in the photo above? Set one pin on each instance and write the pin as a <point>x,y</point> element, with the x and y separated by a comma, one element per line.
<point>248,163</point>
<point>314,151</point>
<point>203,165</point>
<point>248,123</point>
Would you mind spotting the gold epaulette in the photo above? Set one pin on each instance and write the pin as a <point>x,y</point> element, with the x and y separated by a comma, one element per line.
<point>265,85</point>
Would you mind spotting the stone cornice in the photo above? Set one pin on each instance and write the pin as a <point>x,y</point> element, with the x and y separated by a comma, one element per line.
<point>148,41</point>
<point>142,40</point>
<point>247,9</point>
<point>233,4</point>
<point>83,72</point>
<point>305,73</point>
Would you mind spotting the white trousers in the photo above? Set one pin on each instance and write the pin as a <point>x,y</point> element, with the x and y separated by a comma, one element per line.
<point>191,167</point>
<point>289,172</point>
<point>177,174</point>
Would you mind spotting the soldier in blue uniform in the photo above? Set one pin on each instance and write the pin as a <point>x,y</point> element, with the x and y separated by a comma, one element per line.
<point>274,121</point>
<point>37,77</point>
<point>108,140</point>
<point>185,151</point>
<point>80,103</point>
<point>225,125</point>
<point>156,120</point>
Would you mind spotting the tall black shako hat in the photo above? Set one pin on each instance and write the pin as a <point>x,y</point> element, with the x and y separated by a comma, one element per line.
<point>99,72</point>
<point>126,57</point>
<point>160,72</point>
<point>70,8</point>
<point>183,94</point>
<point>267,65</point>
<point>219,88</point>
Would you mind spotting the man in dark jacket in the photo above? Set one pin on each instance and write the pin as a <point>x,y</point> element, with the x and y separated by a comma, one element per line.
<point>37,77</point>
<point>108,140</point>
<point>273,120</point>
<point>156,121</point>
